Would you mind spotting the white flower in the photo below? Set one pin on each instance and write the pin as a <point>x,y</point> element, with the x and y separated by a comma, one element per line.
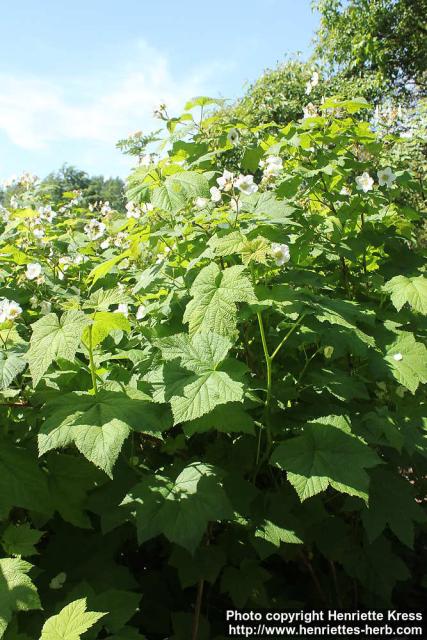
<point>65,262</point>
<point>120,239</point>
<point>273,165</point>
<point>233,136</point>
<point>201,203</point>
<point>345,191</point>
<point>310,111</point>
<point>314,79</point>
<point>46,213</point>
<point>141,312</point>
<point>364,182</point>
<point>94,229</point>
<point>132,211</point>
<point>145,161</point>
<point>38,232</point>
<point>9,310</point>
<point>386,177</point>
<point>246,184</point>
<point>45,307</point>
<point>225,182</point>
<point>280,253</point>
<point>33,271</point>
<point>122,308</point>
<point>398,357</point>
<point>146,207</point>
<point>215,194</point>
<point>27,179</point>
<point>58,581</point>
<point>105,208</point>
<point>105,244</point>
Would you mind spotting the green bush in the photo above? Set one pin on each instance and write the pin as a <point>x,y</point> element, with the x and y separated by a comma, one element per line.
<point>217,399</point>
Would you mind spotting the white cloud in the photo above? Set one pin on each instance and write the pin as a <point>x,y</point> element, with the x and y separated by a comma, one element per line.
<point>37,112</point>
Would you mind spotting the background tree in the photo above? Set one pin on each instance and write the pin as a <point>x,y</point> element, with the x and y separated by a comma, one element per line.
<point>383,42</point>
<point>93,188</point>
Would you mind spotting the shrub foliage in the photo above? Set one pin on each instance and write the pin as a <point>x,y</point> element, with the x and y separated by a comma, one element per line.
<point>217,398</point>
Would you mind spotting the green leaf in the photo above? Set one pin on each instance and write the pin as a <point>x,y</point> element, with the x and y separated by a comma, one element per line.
<point>17,591</point>
<point>323,456</point>
<point>101,300</point>
<point>70,480</point>
<point>227,244</point>
<point>215,293</point>
<point>179,509</point>
<point>404,290</point>
<point>205,564</point>
<point>392,503</point>
<point>204,394</point>
<point>376,567</point>
<point>98,425</point>
<point>178,188</point>
<point>251,250</point>
<point>246,581</point>
<point>121,606</point>
<point>19,540</point>
<point>52,339</point>
<point>10,366</point>
<point>407,360</point>
<point>71,622</point>
<point>105,267</point>
<point>275,534</point>
<point>22,482</point>
<point>265,206</point>
<point>194,394</point>
<point>251,158</point>
<point>352,105</point>
<point>203,101</point>
<point>340,385</point>
<point>104,323</point>
<point>227,418</point>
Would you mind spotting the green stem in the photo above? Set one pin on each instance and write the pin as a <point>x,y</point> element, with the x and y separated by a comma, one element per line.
<point>362,216</point>
<point>291,330</point>
<point>268,361</point>
<point>92,362</point>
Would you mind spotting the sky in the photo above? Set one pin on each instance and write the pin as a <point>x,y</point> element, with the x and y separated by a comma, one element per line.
<point>77,76</point>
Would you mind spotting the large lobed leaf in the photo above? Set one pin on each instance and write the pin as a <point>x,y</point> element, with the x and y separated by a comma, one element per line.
<point>17,591</point>
<point>404,290</point>
<point>98,425</point>
<point>54,338</point>
<point>180,509</point>
<point>195,393</point>
<point>71,622</point>
<point>326,454</point>
<point>215,293</point>
<point>177,189</point>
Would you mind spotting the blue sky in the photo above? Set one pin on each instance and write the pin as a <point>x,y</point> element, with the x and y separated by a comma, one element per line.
<point>76,76</point>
